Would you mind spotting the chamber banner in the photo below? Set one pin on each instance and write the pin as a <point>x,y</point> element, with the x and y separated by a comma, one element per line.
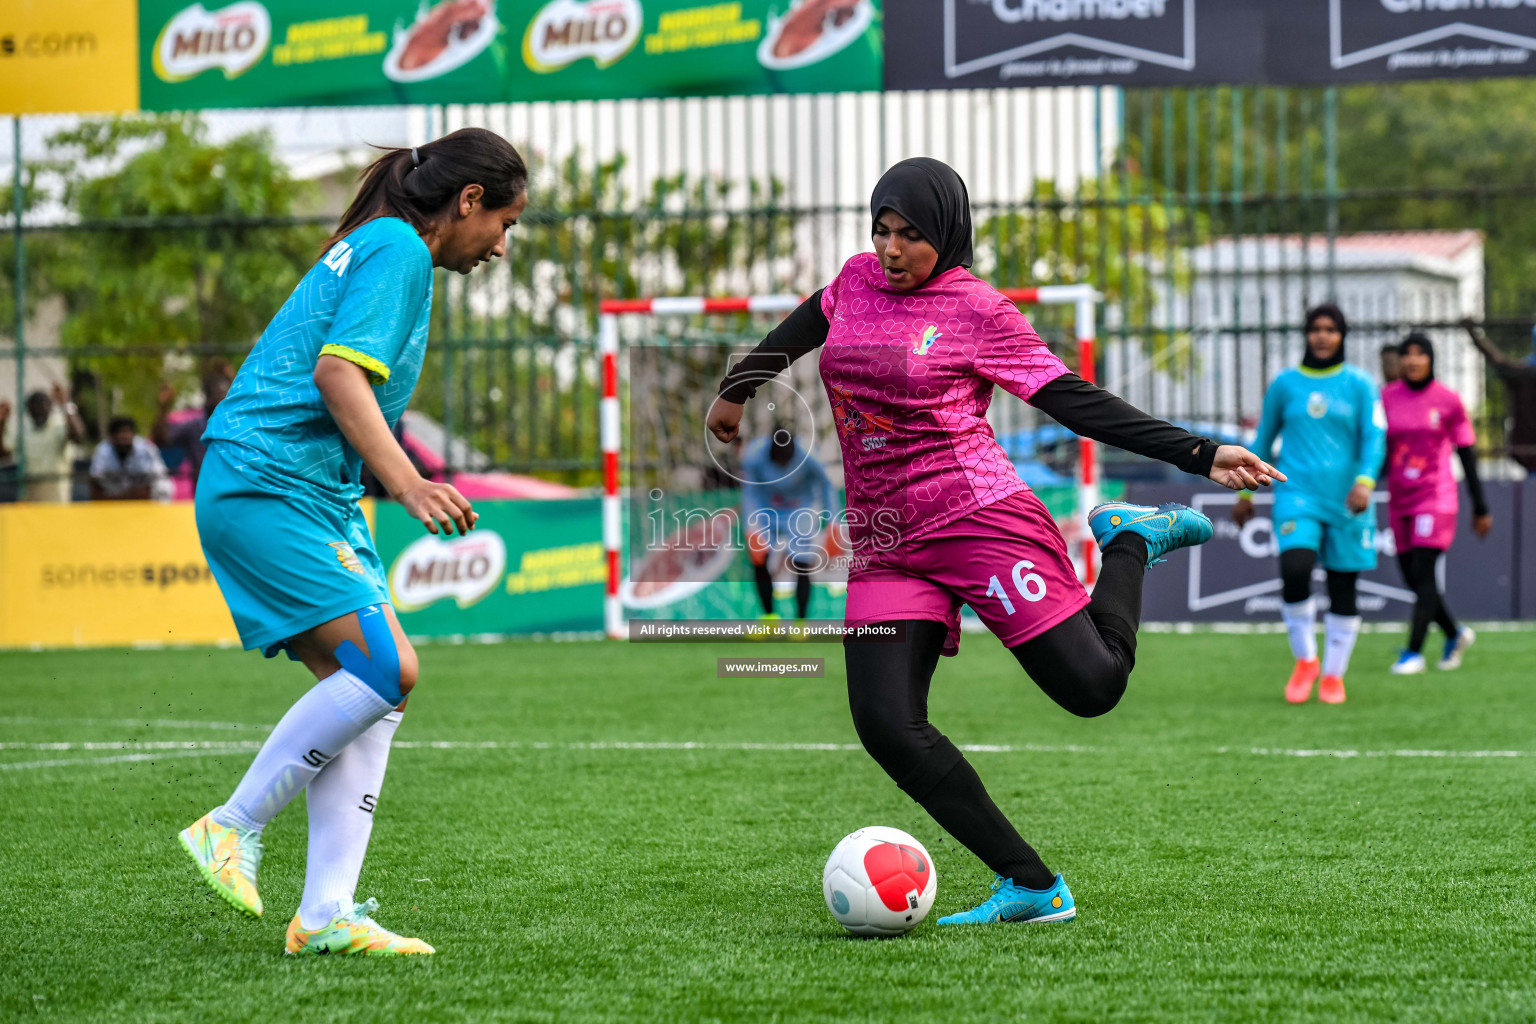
<point>945,44</point>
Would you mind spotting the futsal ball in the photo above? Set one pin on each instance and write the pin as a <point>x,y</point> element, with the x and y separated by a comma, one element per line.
<point>880,882</point>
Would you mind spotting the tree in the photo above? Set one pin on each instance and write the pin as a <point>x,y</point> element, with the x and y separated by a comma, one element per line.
<point>1109,233</point>
<point>182,245</point>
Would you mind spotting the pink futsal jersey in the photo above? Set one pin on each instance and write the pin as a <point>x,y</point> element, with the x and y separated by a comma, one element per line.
<point>910,376</point>
<point>1422,428</point>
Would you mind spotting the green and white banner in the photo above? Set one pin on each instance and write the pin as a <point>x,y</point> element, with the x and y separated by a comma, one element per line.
<point>538,567</point>
<point>527,567</point>
<point>277,53</point>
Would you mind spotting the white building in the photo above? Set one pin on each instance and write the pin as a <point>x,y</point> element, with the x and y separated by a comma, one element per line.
<point>1234,321</point>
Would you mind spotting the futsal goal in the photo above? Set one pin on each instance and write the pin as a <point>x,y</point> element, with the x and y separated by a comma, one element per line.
<point>664,356</point>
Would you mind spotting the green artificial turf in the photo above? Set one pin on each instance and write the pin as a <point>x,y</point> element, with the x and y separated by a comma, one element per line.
<point>1218,877</point>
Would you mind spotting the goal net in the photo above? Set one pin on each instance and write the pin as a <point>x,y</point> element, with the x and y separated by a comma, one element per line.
<point>672,525</point>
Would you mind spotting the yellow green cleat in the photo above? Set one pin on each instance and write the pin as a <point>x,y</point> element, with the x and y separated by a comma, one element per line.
<point>353,933</point>
<point>228,859</point>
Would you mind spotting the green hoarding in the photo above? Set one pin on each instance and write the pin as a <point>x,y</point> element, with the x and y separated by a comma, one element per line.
<point>277,53</point>
<point>527,567</point>
<point>538,567</point>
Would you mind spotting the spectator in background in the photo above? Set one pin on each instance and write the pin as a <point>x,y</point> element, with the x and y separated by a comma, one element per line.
<point>186,432</point>
<point>1520,386</point>
<point>1390,370</point>
<point>86,392</point>
<point>127,467</point>
<point>44,444</point>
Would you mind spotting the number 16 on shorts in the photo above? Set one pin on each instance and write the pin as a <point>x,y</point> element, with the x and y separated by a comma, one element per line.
<point>1030,586</point>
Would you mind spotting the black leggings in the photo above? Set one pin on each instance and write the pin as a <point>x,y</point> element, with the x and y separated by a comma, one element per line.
<point>1082,664</point>
<point>764,581</point>
<point>1418,567</point>
<point>1296,582</point>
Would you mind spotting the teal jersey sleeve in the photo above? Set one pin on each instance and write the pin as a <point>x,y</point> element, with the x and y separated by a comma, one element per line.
<point>384,282</point>
<point>823,486</point>
<point>1269,420</point>
<point>1373,430</point>
<point>367,300</point>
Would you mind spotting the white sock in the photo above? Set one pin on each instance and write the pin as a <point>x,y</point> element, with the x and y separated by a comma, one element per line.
<point>1340,633</point>
<point>336,710</point>
<point>1301,622</point>
<point>341,801</point>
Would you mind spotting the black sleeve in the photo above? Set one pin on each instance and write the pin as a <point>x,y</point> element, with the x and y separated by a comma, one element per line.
<point>1095,413</point>
<point>1468,458</point>
<point>804,330</point>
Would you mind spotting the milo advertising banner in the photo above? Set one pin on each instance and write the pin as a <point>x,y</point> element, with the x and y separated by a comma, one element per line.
<point>275,53</point>
<point>527,567</point>
<point>687,558</point>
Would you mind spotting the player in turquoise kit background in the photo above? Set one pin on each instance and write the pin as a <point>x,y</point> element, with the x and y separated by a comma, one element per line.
<point>786,500</point>
<point>1327,416</point>
<point>279,520</point>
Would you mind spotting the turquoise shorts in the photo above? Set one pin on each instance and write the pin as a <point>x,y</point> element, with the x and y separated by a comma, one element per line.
<point>1344,543</point>
<point>285,562</point>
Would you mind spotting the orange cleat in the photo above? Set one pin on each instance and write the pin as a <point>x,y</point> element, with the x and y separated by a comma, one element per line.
<point>1331,690</point>
<point>1299,689</point>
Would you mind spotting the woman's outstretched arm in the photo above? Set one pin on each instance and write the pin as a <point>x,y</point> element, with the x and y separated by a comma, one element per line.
<point>1101,416</point>
<point>802,332</point>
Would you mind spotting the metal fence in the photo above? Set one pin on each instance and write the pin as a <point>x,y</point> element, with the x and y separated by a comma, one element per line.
<point>1209,218</point>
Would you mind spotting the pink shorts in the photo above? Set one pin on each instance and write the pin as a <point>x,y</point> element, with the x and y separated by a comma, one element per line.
<point>1007,561</point>
<point>1424,530</point>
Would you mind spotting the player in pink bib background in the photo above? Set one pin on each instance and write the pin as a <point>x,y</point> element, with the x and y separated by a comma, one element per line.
<point>1425,420</point>
<point>911,347</point>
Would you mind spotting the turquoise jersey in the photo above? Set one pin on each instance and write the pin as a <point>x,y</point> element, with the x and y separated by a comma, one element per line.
<point>1332,432</point>
<point>766,485</point>
<point>368,300</point>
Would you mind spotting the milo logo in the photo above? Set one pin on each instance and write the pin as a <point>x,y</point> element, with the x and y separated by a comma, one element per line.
<point>565,31</point>
<point>195,40</point>
<point>465,568</point>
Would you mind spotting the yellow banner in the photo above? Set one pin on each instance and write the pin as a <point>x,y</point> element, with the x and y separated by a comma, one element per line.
<point>69,56</point>
<point>108,574</point>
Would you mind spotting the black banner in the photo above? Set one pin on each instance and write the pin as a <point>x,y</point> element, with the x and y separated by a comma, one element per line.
<point>946,44</point>
<point>1235,577</point>
<point>1387,40</point>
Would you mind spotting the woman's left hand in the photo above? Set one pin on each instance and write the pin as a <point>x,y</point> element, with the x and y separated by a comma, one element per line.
<point>1482,525</point>
<point>724,420</point>
<point>1238,469</point>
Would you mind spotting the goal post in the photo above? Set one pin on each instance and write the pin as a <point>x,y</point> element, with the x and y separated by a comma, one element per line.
<point>1081,297</point>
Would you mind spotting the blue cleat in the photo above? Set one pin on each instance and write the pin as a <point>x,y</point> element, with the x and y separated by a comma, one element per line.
<point>1165,528</point>
<point>1456,646</point>
<point>1014,903</point>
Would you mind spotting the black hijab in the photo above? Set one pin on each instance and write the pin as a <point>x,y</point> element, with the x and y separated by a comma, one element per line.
<point>930,196</point>
<point>1417,340</point>
<point>1335,314</point>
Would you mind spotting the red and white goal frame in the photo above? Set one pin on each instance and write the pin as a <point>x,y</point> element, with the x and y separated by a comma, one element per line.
<point>1082,297</point>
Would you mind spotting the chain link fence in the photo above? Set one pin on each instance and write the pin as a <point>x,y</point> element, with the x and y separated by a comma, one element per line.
<point>148,259</point>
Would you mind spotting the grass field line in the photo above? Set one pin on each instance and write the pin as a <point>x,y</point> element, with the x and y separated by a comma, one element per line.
<point>136,723</point>
<point>144,751</point>
<point>1300,752</point>
<point>138,745</point>
<point>71,762</point>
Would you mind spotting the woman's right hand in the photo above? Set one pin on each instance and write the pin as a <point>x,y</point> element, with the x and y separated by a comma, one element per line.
<point>724,420</point>
<point>433,504</point>
<point>1243,511</point>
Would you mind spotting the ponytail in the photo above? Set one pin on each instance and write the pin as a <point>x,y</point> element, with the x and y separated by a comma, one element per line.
<point>420,185</point>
